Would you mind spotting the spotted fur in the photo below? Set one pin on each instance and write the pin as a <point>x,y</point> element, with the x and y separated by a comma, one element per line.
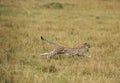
<point>79,50</point>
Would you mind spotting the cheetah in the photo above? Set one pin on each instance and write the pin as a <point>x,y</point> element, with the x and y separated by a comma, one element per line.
<point>59,49</point>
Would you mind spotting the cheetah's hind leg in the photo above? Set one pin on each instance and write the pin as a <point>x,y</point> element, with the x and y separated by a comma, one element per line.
<point>49,53</point>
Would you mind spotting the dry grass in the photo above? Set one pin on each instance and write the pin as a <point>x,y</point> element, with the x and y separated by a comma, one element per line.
<point>96,22</point>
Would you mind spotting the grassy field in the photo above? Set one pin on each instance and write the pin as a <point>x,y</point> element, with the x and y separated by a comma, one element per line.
<point>67,22</point>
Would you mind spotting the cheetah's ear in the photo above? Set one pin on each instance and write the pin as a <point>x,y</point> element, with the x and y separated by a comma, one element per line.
<point>85,43</point>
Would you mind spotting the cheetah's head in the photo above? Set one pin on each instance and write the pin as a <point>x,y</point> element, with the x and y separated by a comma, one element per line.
<point>86,45</point>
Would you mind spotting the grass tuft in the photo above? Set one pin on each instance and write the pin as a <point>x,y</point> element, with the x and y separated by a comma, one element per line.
<point>54,5</point>
<point>49,69</point>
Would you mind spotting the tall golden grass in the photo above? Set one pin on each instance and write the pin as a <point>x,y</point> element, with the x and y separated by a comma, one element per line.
<point>67,22</point>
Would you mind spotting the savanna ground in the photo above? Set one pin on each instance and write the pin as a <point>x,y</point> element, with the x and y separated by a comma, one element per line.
<point>67,22</point>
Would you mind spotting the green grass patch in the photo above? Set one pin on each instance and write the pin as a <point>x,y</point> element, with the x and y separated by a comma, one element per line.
<point>58,5</point>
<point>11,12</point>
